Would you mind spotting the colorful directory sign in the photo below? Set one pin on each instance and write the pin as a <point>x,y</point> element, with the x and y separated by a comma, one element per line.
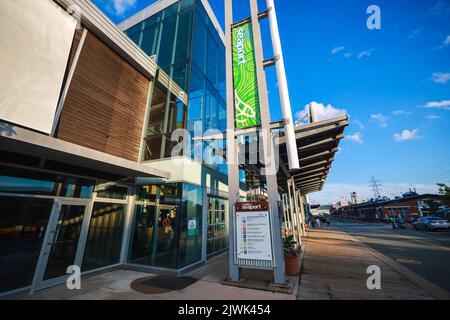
<point>253,237</point>
<point>247,110</point>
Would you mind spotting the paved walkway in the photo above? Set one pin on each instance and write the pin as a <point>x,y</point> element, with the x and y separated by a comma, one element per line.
<point>115,285</point>
<point>335,265</point>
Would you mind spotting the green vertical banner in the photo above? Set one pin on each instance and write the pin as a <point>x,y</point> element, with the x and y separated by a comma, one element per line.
<point>247,111</point>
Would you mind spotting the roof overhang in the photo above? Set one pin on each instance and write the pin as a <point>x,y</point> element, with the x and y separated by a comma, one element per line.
<point>317,145</point>
<point>23,141</point>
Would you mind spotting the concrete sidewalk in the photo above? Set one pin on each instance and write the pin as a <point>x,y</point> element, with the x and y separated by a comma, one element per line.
<point>335,265</point>
<point>115,285</point>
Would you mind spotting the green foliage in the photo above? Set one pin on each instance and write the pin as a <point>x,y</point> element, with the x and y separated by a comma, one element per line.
<point>290,246</point>
<point>444,190</point>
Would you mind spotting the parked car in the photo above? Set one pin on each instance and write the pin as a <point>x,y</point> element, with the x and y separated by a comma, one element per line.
<point>431,224</point>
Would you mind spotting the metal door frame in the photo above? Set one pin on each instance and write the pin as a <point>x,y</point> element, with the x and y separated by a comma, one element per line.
<point>38,280</point>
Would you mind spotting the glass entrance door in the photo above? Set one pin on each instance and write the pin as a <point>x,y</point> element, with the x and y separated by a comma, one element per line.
<point>64,243</point>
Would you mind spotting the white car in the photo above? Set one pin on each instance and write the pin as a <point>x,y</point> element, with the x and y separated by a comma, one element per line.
<point>431,224</point>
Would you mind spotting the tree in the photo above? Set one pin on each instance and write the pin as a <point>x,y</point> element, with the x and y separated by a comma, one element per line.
<point>444,190</point>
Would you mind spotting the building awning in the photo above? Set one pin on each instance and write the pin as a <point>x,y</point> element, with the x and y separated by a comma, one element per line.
<point>22,141</point>
<point>317,144</point>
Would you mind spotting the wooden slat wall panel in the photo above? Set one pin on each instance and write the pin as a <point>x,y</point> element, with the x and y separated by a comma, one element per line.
<point>105,105</point>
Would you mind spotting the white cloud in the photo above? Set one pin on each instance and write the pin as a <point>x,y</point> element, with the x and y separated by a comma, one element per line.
<point>414,33</point>
<point>322,112</point>
<point>407,135</point>
<point>337,50</point>
<point>433,117</point>
<point>401,113</point>
<point>354,137</point>
<point>441,6</point>
<point>380,119</point>
<point>359,124</point>
<point>120,6</point>
<point>444,104</point>
<point>348,55</point>
<point>334,192</point>
<point>447,41</point>
<point>365,53</point>
<point>440,77</point>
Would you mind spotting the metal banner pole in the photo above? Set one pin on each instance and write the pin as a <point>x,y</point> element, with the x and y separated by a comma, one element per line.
<point>291,142</point>
<point>268,146</point>
<point>232,150</point>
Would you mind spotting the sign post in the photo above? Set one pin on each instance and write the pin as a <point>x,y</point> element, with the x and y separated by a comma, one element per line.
<point>253,234</point>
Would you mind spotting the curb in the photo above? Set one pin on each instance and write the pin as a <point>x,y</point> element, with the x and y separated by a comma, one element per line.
<point>424,284</point>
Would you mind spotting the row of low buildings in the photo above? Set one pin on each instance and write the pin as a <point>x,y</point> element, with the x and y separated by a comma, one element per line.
<point>87,111</point>
<point>410,206</point>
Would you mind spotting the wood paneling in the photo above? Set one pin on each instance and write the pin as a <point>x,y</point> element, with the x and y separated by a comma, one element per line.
<point>105,105</point>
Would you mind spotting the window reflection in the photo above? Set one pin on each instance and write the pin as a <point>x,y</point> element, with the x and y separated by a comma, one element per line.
<point>105,235</point>
<point>23,222</point>
<point>13,180</point>
<point>217,225</point>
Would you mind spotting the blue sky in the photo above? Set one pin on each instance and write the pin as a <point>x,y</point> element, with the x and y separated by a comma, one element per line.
<point>394,83</point>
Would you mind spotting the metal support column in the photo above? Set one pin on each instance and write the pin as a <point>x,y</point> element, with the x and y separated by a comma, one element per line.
<point>232,153</point>
<point>291,211</point>
<point>291,143</point>
<point>296,213</point>
<point>268,145</point>
<point>204,226</point>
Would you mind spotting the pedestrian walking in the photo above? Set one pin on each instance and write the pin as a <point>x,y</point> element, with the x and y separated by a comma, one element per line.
<point>328,222</point>
<point>318,222</point>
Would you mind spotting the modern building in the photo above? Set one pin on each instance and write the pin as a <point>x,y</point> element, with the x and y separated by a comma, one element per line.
<point>89,113</point>
<point>84,178</point>
<point>406,207</point>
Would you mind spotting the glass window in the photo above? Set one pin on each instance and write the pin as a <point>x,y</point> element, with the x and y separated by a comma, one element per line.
<point>191,225</point>
<point>150,39</point>
<point>184,37</point>
<point>105,235</point>
<point>180,75</point>
<point>217,225</point>
<point>147,193</point>
<point>199,43</point>
<point>168,232</point>
<point>167,43</point>
<point>186,4</point>
<point>167,240</point>
<point>13,180</point>
<point>112,192</point>
<point>211,119</point>
<point>23,222</point>
<point>134,29</point>
<point>64,244</point>
<point>155,128</point>
<point>142,234</point>
<point>211,68</point>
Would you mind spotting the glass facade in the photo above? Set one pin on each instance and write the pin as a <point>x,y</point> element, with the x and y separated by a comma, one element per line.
<point>166,220</point>
<point>167,226</point>
<point>188,48</point>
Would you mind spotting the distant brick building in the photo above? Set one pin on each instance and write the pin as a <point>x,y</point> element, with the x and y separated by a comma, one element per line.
<point>406,207</point>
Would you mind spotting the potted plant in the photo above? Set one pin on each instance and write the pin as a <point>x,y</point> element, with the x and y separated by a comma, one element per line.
<point>291,255</point>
